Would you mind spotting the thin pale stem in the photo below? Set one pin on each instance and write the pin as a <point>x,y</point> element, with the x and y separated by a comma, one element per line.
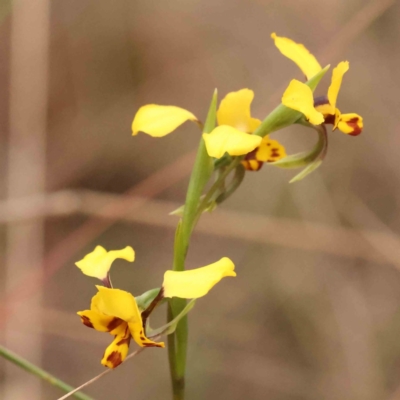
<point>107,371</point>
<point>33,369</point>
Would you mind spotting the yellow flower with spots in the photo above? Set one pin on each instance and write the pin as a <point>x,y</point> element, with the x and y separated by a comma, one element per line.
<point>234,112</point>
<point>116,311</point>
<point>351,124</point>
<point>233,135</point>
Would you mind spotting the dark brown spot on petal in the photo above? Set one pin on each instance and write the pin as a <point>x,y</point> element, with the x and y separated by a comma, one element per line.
<point>275,153</point>
<point>251,155</point>
<point>142,337</point>
<point>353,123</point>
<point>252,165</point>
<point>86,321</point>
<point>329,119</point>
<point>151,345</point>
<point>124,341</point>
<point>114,323</point>
<point>115,358</point>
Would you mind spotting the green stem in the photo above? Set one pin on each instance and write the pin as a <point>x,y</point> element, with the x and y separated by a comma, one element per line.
<point>33,369</point>
<point>216,185</point>
<point>201,173</point>
<point>283,116</point>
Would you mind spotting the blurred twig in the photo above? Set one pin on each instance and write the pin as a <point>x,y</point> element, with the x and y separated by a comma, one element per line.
<point>377,246</point>
<point>354,26</point>
<point>26,172</point>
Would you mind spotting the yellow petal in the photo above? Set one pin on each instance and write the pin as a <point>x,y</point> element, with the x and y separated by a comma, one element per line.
<point>140,338</point>
<point>197,282</point>
<point>351,124</point>
<point>225,139</point>
<point>299,97</point>
<point>234,111</point>
<point>337,75</point>
<point>298,54</point>
<point>121,304</point>
<point>270,150</point>
<point>158,121</point>
<point>117,351</point>
<point>116,303</point>
<point>325,109</point>
<point>100,322</point>
<point>98,262</point>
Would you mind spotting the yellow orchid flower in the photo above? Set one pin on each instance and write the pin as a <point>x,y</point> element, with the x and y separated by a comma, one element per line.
<point>234,133</point>
<point>116,311</point>
<point>232,136</point>
<point>351,124</point>
<point>97,264</point>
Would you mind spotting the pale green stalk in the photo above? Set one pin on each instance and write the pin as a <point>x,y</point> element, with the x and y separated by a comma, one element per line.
<point>33,369</point>
<point>202,170</point>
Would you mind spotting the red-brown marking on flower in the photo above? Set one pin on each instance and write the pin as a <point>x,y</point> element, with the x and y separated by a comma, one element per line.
<point>251,155</point>
<point>353,123</point>
<point>114,323</point>
<point>124,341</point>
<point>151,345</point>
<point>275,153</point>
<point>252,165</point>
<point>329,119</point>
<point>86,321</point>
<point>115,358</point>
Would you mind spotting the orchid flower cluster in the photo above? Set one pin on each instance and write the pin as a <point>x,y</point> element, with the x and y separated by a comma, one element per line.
<point>239,134</point>
<point>232,142</point>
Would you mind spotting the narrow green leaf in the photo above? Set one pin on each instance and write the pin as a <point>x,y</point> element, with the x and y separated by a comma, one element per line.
<point>314,158</point>
<point>170,327</point>
<point>303,159</point>
<point>306,171</point>
<point>144,300</point>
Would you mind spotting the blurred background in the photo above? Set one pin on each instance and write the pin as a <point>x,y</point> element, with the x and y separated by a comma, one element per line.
<point>315,310</point>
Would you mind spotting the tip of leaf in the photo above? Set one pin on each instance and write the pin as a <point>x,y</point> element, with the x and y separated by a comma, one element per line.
<point>179,211</point>
<point>306,171</point>
<point>326,68</point>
